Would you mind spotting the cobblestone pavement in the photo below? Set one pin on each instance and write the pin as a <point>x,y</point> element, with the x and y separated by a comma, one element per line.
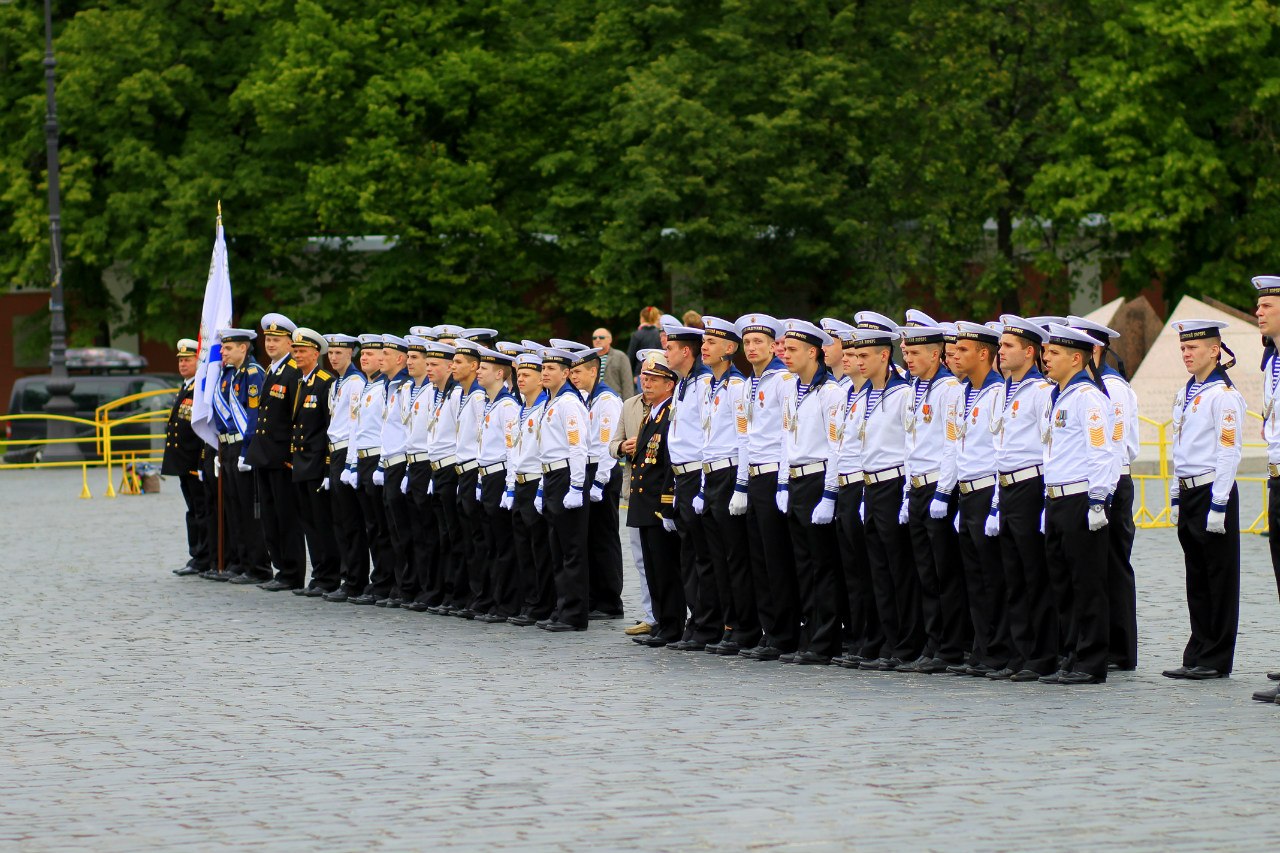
<point>141,710</point>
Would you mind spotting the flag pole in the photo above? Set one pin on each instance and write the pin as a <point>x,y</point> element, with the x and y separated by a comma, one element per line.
<point>221,522</point>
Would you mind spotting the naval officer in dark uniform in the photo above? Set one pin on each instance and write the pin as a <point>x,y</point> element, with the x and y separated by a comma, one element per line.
<point>309,451</point>
<point>182,459</point>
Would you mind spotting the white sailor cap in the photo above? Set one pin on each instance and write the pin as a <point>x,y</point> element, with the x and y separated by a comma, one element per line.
<point>836,328</point>
<point>1100,333</point>
<point>533,346</point>
<point>480,335</point>
<point>422,331</point>
<point>916,317</point>
<point>806,332</point>
<point>340,340</point>
<point>1065,336</point>
<point>995,326</point>
<point>187,346</point>
<point>371,342</point>
<point>913,336</point>
<point>717,327</point>
<point>492,356</point>
<point>761,323</point>
<point>1267,285</point>
<point>466,346</point>
<point>277,324</point>
<point>510,348</point>
<point>873,337</point>
<point>395,342</point>
<point>682,334</point>
<point>439,349</point>
<point>1194,330</point>
<point>233,336</point>
<point>668,320</point>
<point>1044,320</point>
<point>872,320</point>
<point>585,356</point>
<point>950,332</point>
<point>1023,328</point>
<point>417,343</point>
<point>976,332</point>
<point>529,361</point>
<point>448,330</point>
<point>555,355</point>
<point>304,337</point>
<point>572,346</point>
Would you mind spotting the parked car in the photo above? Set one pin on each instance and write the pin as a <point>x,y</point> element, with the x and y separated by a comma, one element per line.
<point>31,393</point>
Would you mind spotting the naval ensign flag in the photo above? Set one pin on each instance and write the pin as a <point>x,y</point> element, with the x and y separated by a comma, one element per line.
<point>216,315</point>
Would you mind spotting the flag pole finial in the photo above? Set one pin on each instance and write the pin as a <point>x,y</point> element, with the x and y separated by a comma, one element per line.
<point>219,211</point>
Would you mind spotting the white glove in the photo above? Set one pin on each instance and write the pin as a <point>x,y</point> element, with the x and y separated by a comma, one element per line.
<point>783,498</point>
<point>669,525</point>
<point>1042,521</point>
<point>573,497</point>
<point>324,484</point>
<point>738,503</point>
<point>1173,515</point>
<point>200,475</point>
<point>537,501</point>
<point>347,477</point>
<point>479,492</point>
<point>379,477</point>
<point>938,507</point>
<point>1216,522</point>
<point>597,493</point>
<point>1097,517</point>
<point>955,522</point>
<point>508,499</point>
<point>699,505</point>
<point>904,512</point>
<point>404,484</point>
<point>825,511</point>
<point>242,466</point>
<point>992,527</point>
<point>217,469</point>
<point>862,510</point>
<point>431,486</point>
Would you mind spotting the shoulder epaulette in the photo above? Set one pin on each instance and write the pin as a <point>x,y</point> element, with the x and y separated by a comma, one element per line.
<point>252,369</point>
<point>323,374</point>
<point>290,362</point>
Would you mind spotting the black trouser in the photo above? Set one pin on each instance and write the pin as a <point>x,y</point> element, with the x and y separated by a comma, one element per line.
<point>425,528</point>
<point>773,565</point>
<point>376,531</point>
<point>348,524</point>
<point>604,549</point>
<point>706,624</point>
<point>1213,579</point>
<point>533,553</point>
<point>984,581</point>
<point>240,494</point>
<point>504,589</point>
<point>280,528</point>
<point>399,532</point>
<point>661,552</point>
<point>316,513</point>
<point>944,605</point>
<point>230,548</point>
<point>1033,614</point>
<point>193,494</point>
<point>817,555</point>
<point>452,538</point>
<point>1273,525</point>
<point>855,600</point>
<point>470,575</point>
<point>727,546</point>
<point>1078,560</point>
<point>1122,591</point>
<point>568,542</point>
<point>894,580</point>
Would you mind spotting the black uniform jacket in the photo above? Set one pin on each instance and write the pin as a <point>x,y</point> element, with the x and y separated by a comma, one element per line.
<point>652,481</point>
<point>311,426</point>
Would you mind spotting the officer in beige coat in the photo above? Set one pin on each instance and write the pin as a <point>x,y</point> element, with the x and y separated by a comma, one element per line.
<point>623,446</point>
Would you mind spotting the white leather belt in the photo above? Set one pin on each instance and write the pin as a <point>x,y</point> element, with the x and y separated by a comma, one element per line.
<point>372,451</point>
<point>850,479</point>
<point>595,460</point>
<point>919,481</point>
<point>393,459</point>
<point>1195,482</point>
<point>806,470</point>
<point>464,467</point>
<point>527,478</point>
<point>548,467</point>
<point>230,437</point>
<point>1125,470</point>
<point>967,486</point>
<point>718,465</point>
<point>418,457</point>
<point>687,468</point>
<point>883,475</point>
<point>493,469</point>
<point>1068,489</point>
<point>1021,474</point>
<point>338,445</point>
<point>437,464</point>
<point>766,468</point>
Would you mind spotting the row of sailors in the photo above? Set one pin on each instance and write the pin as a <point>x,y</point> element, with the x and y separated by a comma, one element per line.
<point>830,507</point>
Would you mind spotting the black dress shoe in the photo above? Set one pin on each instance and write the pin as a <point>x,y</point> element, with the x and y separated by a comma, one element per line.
<point>810,659</point>
<point>726,648</point>
<point>188,570</point>
<point>652,642</point>
<point>710,648</point>
<point>366,598</point>
<point>1274,676</point>
<point>1025,675</point>
<point>521,621</point>
<point>1080,678</point>
<point>415,606</point>
<point>960,669</point>
<point>490,618</point>
<point>933,666</point>
<point>563,627</point>
<point>339,594</point>
<point>873,665</point>
<point>848,660</point>
<point>464,613</point>
<point>687,646</point>
<point>762,653</point>
<point>244,580</point>
<point>276,585</point>
<point>910,666</point>
<point>1180,672</point>
<point>980,669</point>
<point>213,574</point>
<point>1268,695</point>
<point>542,623</point>
<point>1204,673</point>
<point>302,590</point>
<point>1000,674</point>
<point>1053,677</point>
<point>602,614</point>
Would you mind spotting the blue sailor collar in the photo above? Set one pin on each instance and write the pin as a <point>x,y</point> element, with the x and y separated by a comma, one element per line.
<point>1081,378</point>
<point>895,379</point>
<point>352,370</point>
<point>504,391</point>
<point>698,371</point>
<point>567,388</point>
<point>402,376</point>
<point>820,378</point>
<point>992,378</point>
<point>600,388</point>
<point>474,387</point>
<point>775,365</point>
<point>1217,375</point>
<point>1108,370</point>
